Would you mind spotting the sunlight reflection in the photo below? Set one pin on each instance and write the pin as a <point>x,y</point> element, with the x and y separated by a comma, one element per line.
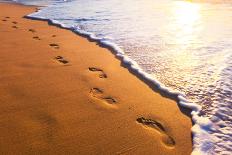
<point>186,21</point>
<point>186,12</point>
<point>186,17</point>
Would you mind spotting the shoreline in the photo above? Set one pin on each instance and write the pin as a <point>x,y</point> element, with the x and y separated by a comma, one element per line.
<point>154,84</point>
<point>146,118</point>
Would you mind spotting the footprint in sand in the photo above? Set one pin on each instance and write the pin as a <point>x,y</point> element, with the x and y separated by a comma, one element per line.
<point>53,36</point>
<point>61,59</point>
<point>55,46</point>
<point>32,30</point>
<point>167,140</point>
<point>99,94</point>
<point>100,71</point>
<point>36,38</point>
<point>15,27</point>
<point>14,22</point>
<point>7,17</point>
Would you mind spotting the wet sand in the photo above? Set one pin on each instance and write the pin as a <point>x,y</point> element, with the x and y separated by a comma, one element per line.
<point>62,94</point>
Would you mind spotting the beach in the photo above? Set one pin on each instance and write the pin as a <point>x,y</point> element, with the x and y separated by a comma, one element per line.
<point>63,94</point>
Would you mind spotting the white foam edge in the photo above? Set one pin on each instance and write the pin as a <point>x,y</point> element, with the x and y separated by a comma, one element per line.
<point>201,126</point>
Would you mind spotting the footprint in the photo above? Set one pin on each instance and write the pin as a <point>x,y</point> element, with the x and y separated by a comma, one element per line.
<point>15,27</point>
<point>53,35</point>
<point>56,46</point>
<point>7,17</point>
<point>99,94</point>
<point>151,123</point>
<point>60,59</point>
<point>14,22</point>
<point>167,140</point>
<point>96,92</point>
<point>36,37</point>
<point>110,100</point>
<point>101,72</point>
<point>32,30</point>
<point>4,20</point>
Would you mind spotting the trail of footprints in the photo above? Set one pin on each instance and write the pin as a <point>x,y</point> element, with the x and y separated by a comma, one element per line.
<point>101,95</point>
<point>14,22</point>
<point>15,25</point>
<point>158,127</point>
<point>98,92</point>
<point>5,19</point>
<point>59,59</point>
<point>34,37</point>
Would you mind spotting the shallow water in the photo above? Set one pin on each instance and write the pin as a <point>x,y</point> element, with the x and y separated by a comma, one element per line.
<point>187,46</point>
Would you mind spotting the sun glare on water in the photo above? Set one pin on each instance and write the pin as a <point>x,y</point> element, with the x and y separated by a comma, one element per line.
<point>186,12</point>
<point>184,29</point>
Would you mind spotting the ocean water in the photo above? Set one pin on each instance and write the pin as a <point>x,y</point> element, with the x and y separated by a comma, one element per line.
<point>184,47</point>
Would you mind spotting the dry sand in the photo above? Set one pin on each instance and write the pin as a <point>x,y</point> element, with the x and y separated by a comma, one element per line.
<point>61,94</point>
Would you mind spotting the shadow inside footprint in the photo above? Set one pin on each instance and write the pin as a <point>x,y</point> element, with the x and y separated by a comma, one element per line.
<point>7,17</point>
<point>98,93</point>
<point>61,60</point>
<point>110,100</point>
<point>32,30</point>
<point>167,140</point>
<point>56,46</point>
<point>15,22</point>
<point>4,20</point>
<point>101,72</point>
<point>36,38</point>
<point>53,35</point>
<point>151,123</point>
<point>15,27</point>
<point>93,69</point>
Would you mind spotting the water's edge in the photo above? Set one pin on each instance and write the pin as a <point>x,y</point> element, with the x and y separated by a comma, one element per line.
<point>201,125</point>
